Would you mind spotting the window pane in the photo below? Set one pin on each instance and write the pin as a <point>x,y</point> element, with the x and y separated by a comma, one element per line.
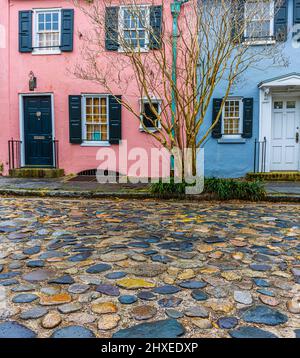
<point>278,105</point>
<point>291,104</point>
<point>48,17</point>
<point>149,118</point>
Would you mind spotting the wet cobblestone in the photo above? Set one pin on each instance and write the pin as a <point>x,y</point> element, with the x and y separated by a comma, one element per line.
<point>123,268</point>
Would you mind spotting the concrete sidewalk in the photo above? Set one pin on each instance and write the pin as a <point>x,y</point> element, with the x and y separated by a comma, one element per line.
<point>89,188</point>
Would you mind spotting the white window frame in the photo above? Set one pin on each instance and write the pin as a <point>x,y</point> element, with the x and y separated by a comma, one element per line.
<point>88,143</point>
<point>121,26</point>
<point>253,41</point>
<point>241,111</point>
<point>154,101</point>
<point>43,51</point>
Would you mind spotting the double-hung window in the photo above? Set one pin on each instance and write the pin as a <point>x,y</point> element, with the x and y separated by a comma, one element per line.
<point>232,118</point>
<point>95,119</point>
<point>259,20</point>
<point>134,26</point>
<point>47,31</point>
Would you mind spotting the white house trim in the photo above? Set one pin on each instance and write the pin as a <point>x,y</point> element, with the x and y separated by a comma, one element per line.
<point>279,87</point>
<point>21,121</point>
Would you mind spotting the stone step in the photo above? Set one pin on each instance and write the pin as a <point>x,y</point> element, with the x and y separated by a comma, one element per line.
<point>275,176</point>
<point>37,173</point>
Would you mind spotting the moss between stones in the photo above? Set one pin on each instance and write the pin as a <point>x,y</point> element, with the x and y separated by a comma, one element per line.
<point>275,176</point>
<point>36,173</point>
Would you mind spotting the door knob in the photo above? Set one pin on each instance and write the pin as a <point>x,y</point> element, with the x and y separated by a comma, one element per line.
<point>297,137</point>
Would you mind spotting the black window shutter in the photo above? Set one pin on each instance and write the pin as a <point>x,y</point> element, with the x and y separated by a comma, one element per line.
<point>75,119</point>
<point>156,27</point>
<point>280,20</point>
<point>237,27</point>
<point>296,12</point>
<point>112,28</point>
<point>115,120</point>
<point>247,117</point>
<point>67,30</point>
<point>217,130</point>
<point>25,31</point>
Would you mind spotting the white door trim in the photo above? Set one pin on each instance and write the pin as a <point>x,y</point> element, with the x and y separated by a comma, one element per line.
<point>21,121</point>
<point>265,120</point>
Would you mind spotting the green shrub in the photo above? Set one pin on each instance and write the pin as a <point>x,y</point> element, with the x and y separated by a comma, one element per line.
<point>226,189</point>
<point>222,189</point>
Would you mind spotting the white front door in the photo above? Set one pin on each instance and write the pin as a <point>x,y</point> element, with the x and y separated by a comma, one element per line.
<point>285,135</point>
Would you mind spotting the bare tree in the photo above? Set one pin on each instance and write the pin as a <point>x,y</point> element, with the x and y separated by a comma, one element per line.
<point>215,46</point>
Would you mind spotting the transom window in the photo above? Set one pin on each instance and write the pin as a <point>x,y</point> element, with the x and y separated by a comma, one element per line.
<point>232,114</point>
<point>95,119</point>
<point>134,23</point>
<point>47,30</point>
<point>259,20</point>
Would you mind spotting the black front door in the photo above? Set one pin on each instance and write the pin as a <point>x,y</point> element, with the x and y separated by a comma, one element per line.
<point>38,131</point>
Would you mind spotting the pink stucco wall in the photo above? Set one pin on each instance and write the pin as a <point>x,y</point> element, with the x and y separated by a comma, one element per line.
<point>53,76</point>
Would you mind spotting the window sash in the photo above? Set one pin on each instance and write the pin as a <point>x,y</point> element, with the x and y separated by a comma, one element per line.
<point>134,31</point>
<point>95,123</point>
<point>256,22</point>
<point>144,119</point>
<point>232,122</point>
<point>47,40</point>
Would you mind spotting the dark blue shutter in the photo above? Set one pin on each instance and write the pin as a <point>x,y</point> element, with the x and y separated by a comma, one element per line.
<point>217,130</point>
<point>247,117</point>
<point>238,18</point>
<point>67,30</point>
<point>115,120</point>
<point>296,15</point>
<point>156,27</point>
<point>280,20</point>
<point>75,119</point>
<point>112,28</point>
<point>25,31</point>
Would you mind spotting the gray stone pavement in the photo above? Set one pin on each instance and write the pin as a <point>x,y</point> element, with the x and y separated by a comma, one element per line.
<point>132,268</point>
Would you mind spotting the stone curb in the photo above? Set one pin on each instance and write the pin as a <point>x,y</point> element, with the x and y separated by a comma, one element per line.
<point>126,195</point>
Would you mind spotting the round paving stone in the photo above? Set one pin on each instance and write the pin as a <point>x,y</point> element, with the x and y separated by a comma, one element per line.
<point>202,323</point>
<point>113,257</point>
<point>63,280</point>
<point>264,315</point>
<point>199,295</point>
<point>39,275</point>
<point>24,298</point>
<point>169,302</point>
<point>196,311</point>
<point>134,283</point>
<point>258,267</point>
<point>35,263</point>
<point>98,268</point>
<point>266,292</point>
<point>166,290</point>
<point>32,250</point>
<point>147,270</point>
<point>227,322</point>
<point>243,297</point>
<point>193,284</point>
<point>168,328</point>
<point>23,288</point>
<point>251,332</point>
<point>127,299</point>
<point>51,320</point>
<point>174,313</point>
<point>108,290</point>
<point>108,322</point>
<point>104,307</point>
<point>34,313</point>
<point>78,288</point>
<point>116,275</point>
<point>294,305</point>
<point>144,312</point>
<point>73,332</point>
<point>14,329</point>
<point>146,296</point>
<point>267,300</point>
<point>57,299</point>
<point>161,258</point>
<point>69,308</point>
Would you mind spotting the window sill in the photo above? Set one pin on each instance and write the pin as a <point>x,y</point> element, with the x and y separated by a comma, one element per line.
<point>259,42</point>
<point>141,50</point>
<point>95,144</point>
<point>39,53</point>
<point>238,140</point>
<point>152,130</point>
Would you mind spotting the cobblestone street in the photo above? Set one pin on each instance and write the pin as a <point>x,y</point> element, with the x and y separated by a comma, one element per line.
<point>148,269</point>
